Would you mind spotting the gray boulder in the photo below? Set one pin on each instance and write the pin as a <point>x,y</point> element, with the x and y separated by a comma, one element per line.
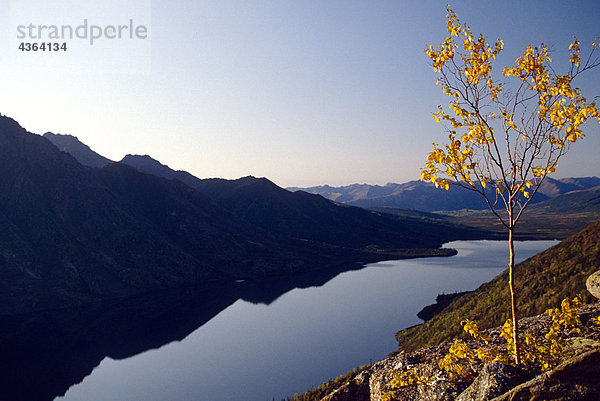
<point>494,379</point>
<point>593,284</point>
<point>573,380</point>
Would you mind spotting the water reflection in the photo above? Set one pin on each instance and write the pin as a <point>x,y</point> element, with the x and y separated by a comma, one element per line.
<point>45,353</point>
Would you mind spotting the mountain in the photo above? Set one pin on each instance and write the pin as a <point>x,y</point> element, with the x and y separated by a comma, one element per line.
<point>558,217</point>
<point>354,192</point>
<point>416,195</point>
<point>553,188</point>
<point>577,201</point>
<point>71,233</point>
<point>77,149</point>
<point>304,216</point>
<point>311,217</point>
<point>425,197</point>
<point>148,165</point>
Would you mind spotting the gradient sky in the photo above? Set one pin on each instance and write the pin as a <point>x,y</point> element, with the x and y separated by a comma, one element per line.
<point>302,92</point>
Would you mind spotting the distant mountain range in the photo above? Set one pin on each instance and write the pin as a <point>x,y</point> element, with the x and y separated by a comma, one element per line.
<point>73,231</point>
<point>423,196</point>
<point>585,200</point>
<point>413,195</point>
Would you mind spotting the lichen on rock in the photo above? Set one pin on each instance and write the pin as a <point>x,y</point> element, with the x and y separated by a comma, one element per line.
<point>593,284</point>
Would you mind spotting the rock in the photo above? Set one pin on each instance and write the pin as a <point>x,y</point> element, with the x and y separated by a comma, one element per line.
<point>494,379</point>
<point>593,284</point>
<point>355,390</point>
<point>424,362</point>
<point>575,380</point>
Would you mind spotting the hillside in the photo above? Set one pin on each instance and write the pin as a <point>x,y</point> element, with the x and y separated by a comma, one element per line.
<point>541,282</point>
<point>311,217</point>
<point>581,201</point>
<point>74,233</point>
<point>308,216</point>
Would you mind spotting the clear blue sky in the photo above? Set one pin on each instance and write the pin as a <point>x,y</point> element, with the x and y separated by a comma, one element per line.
<point>302,92</point>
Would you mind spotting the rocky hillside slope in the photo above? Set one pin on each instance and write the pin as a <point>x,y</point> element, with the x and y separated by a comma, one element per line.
<point>575,377</point>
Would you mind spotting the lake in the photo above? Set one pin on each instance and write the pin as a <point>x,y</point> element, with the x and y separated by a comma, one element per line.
<point>242,341</point>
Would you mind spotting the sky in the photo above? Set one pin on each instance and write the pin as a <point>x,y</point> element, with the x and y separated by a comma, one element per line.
<point>303,92</point>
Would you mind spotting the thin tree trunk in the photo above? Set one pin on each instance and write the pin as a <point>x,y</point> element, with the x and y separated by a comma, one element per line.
<point>515,318</point>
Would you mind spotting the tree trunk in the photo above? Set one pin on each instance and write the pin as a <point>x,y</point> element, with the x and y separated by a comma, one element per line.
<point>515,318</point>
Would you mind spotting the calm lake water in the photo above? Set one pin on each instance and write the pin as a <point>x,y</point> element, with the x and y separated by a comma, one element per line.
<point>272,342</point>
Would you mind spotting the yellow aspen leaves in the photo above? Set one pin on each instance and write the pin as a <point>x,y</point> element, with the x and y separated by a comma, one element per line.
<point>470,327</point>
<point>574,49</point>
<point>551,114</point>
<point>540,352</point>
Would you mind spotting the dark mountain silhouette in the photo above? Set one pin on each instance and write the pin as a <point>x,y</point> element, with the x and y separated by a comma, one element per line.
<point>72,233</point>
<point>149,165</point>
<point>425,197</point>
<point>79,150</point>
<point>310,217</point>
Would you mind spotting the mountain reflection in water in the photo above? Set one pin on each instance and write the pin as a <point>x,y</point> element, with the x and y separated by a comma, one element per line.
<point>43,354</point>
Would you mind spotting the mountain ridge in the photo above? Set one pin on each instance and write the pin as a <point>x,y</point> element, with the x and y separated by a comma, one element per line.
<point>147,164</point>
<point>311,217</point>
<point>306,216</point>
<point>72,145</point>
<point>423,196</point>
